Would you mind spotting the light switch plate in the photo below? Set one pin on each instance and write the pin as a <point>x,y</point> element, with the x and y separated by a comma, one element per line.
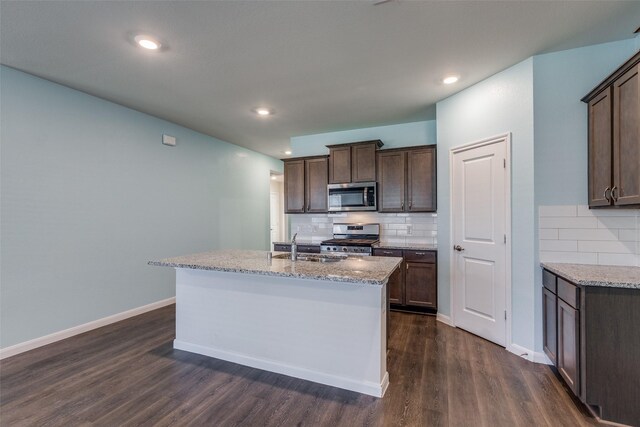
<point>169,140</point>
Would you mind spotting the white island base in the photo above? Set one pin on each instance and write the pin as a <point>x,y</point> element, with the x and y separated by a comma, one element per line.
<point>328,332</point>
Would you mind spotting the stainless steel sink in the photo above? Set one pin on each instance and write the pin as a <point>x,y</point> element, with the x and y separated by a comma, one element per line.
<point>312,258</point>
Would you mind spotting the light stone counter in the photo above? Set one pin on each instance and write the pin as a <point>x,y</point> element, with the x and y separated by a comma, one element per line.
<point>353,269</point>
<point>597,275</point>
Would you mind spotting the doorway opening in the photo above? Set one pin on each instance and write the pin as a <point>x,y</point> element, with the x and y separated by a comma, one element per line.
<point>277,219</point>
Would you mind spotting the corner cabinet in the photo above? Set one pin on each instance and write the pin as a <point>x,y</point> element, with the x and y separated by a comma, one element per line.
<point>407,179</point>
<point>614,138</point>
<point>590,333</point>
<point>305,184</point>
<point>414,286</point>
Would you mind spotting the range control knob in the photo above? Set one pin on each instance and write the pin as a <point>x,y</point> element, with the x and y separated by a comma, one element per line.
<point>345,249</point>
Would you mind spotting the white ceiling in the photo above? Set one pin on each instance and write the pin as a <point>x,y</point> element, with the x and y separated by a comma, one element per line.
<point>322,65</point>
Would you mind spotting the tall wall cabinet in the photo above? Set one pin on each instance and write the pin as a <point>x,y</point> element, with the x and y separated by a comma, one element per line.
<point>407,179</point>
<point>305,184</point>
<point>614,138</point>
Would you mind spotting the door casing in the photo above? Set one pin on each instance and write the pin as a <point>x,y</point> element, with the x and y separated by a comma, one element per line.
<point>506,137</point>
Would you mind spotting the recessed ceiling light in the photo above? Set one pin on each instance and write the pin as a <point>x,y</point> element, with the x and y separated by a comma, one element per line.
<point>288,152</point>
<point>262,111</point>
<point>147,42</point>
<point>273,177</point>
<point>450,80</point>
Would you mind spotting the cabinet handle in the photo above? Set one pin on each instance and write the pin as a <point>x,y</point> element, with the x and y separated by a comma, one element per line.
<point>387,252</point>
<point>605,194</point>
<point>613,193</point>
<point>407,266</point>
<point>420,253</point>
<point>410,204</point>
<point>308,208</point>
<point>402,206</point>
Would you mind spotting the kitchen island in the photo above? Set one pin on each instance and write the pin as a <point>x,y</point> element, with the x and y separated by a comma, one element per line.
<point>316,319</point>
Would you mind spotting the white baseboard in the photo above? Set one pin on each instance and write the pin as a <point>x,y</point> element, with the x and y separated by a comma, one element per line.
<point>525,353</point>
<point>76,330</point>
<point>365,387</point>
<point>444,319</point>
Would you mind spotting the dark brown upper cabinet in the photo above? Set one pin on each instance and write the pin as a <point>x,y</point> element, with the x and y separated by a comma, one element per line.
<point>354,162</point>
<point>614,138</point>
<point>407,179</point>
<point>305,184</point>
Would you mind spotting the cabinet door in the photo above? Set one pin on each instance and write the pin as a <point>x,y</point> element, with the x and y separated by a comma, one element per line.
<point>421,180</point>
<point>316,183</point>
<point>363,162</point>
<point>396,281</point>
<point>626,138</point>
<point>600,149</point>
<point>391,181</point>
<point>568,355</point>
<point>294,186</point>
<point>549,324</point>
<point>396,286</point>
<point>421,284</point>
<point>340,165</point>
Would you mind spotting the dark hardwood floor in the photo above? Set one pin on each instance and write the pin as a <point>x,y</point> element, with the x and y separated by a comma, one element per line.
<point>127,374</point>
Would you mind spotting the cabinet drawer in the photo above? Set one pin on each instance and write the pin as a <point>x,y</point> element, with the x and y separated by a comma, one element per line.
<point>549,281</point>
<point>568,292</point>
<point>309,249</point>
<point>282,248</point>
<point>420,256</point>
<point>387,252</point>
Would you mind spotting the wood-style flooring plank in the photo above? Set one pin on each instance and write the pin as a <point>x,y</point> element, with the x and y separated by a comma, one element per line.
<point>128,374</point>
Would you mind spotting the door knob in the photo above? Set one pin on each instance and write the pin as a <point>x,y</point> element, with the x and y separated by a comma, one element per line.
<point>458,248</point>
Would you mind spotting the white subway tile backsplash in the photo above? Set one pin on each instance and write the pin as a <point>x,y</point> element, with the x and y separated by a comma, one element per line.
<point>617,259</point>
<point>394,227</point>
<point>628,235</point>
<point>568,222</point>
<point>590,236</point>
<point>617,222</point>
<point>615,247</point>
<point>571,257</point>
<point>559,245</point>
<point>548,233</point>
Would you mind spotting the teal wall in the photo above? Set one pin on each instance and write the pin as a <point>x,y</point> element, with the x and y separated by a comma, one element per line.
<point>500,104</point>
<point>402,135</point>
<point>89,195</point>
<point>560,80</point>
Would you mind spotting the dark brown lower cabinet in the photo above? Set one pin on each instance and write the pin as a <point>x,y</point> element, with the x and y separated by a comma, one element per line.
<point>549,344</point>
<point>419,284</point>
<point>414,286</point>
<point>568,333</point>
<point>396,286</point>
<point>590,333</point>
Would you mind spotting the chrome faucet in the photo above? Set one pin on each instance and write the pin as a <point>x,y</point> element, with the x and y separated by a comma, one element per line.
<point>294,248</point>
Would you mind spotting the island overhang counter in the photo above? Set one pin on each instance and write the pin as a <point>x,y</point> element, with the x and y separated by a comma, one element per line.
<point>319,321</point>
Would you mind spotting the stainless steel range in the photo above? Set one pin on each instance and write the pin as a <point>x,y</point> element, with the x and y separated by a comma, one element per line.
<point>352,239</point>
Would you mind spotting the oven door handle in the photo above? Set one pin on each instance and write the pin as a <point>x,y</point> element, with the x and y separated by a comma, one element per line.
<point>366,196</point>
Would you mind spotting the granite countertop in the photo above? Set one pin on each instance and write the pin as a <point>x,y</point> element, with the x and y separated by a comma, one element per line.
<point>597,275</point>
<point>353,269</point>
<point>414,246</point>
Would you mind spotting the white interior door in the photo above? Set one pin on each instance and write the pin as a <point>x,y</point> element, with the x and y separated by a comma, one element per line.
<point>479,230</point>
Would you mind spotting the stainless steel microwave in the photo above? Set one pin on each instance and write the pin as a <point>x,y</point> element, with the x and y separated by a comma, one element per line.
<point>359,196</point>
